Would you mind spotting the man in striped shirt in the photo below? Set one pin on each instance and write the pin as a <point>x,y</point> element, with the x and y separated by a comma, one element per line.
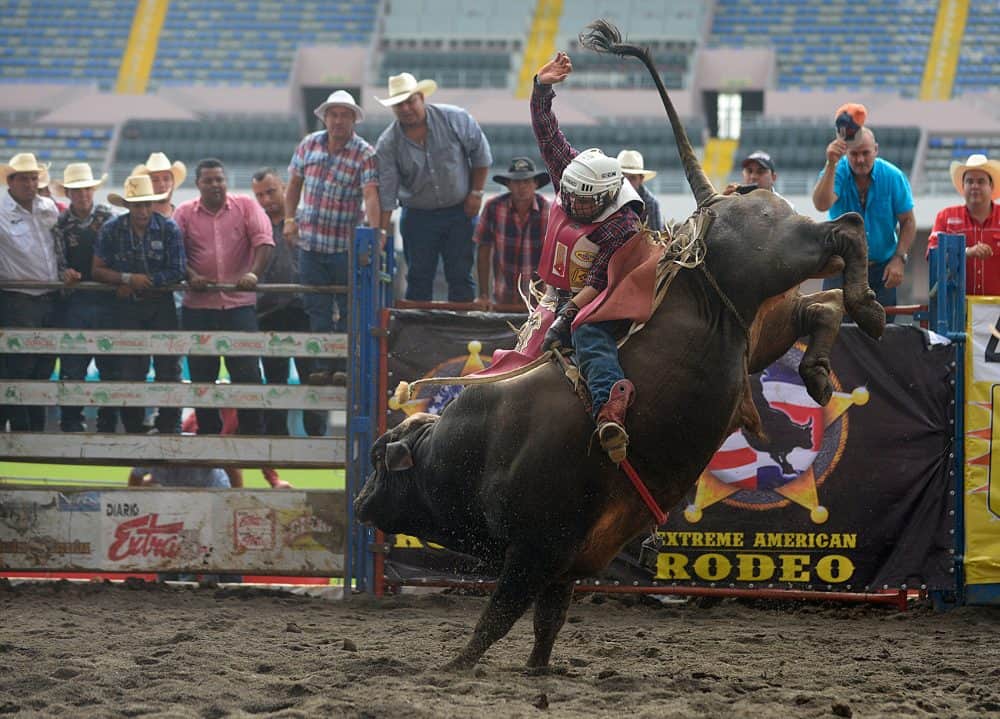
<point>331,172</point>
<point>510,233</point>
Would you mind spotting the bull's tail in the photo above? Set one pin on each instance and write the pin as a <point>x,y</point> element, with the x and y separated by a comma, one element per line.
<point>602,36</point>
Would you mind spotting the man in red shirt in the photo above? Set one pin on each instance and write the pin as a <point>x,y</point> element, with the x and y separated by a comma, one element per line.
<point>978,181</point>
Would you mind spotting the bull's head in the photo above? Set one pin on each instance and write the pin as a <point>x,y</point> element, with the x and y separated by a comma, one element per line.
<point>387,499</point>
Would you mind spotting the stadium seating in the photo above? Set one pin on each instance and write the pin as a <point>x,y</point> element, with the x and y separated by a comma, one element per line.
<point>451,68</point>
<point>979,59</point>
<point>58,145</point>
<point>251,43</point>
<point>457,19</point>
<point>943,149</point>
<point>83,45</point>
<point>834,44</point>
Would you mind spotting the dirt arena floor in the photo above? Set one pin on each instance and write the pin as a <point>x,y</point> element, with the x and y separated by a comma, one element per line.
<point>105,651</point>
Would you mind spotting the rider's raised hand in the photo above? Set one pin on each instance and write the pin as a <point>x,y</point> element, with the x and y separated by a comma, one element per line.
<point>555,70</point>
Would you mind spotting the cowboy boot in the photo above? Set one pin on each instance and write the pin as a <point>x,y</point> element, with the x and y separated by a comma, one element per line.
<point>611,420</point>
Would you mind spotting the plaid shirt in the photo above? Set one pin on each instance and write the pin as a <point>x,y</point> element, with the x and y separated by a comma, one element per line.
<point>76,239</point>
<point>332,190</point>
<point>613,232</point>
<point>159,253</point>
<point>517,244</point>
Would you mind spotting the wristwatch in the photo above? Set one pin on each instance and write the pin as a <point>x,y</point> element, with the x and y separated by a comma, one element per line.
<point>905,257</point>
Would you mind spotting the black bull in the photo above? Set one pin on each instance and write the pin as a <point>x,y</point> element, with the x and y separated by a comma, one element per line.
<point>505,473</point>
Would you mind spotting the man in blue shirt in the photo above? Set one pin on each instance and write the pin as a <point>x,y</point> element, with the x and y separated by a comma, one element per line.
<point>138,251</point>
<point>434,160</point>
<point>855,179</point>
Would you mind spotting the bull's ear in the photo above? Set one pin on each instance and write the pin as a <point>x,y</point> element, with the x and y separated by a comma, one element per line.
<point>398,457</point>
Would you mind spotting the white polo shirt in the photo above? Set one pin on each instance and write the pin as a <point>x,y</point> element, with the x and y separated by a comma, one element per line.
<point>27,248</point>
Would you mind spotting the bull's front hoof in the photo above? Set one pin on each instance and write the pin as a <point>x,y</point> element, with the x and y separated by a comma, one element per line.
<point>461,663</point>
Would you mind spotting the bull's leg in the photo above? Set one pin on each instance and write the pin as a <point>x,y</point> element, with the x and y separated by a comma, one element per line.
<point>550,614</point>
<point>819,315</point>
<point>521,580</point>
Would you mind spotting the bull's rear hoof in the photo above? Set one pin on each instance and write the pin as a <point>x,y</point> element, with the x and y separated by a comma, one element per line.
<point>460,664</point>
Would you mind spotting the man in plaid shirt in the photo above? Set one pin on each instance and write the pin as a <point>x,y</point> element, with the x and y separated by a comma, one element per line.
<point>596,213</point>
<point>332,171</point>
<point>509,234</point>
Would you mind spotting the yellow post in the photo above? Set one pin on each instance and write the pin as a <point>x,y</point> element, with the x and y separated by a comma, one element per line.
<point>143,39</point>
<point>719,159</point>
<point>541,42</point>
<point>942,55</point>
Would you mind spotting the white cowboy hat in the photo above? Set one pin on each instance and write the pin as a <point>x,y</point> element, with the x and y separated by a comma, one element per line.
<point>158,162</point>
<point>403,85</point>
<point>343,98</point>
<point>631,162</point>
<point>138,188</point>
<point>22,162</point>
<point>78,176</point>
<point>976,162</point>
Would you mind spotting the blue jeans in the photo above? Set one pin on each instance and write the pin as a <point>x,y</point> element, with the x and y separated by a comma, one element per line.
<point>155,313</point>
<point>83,310</point>
<point>205,368</point>
<point>597,357</point>
<point>885,296</point>
<point>430,234</point>
<point>18,309</point>
<point>323,268</point>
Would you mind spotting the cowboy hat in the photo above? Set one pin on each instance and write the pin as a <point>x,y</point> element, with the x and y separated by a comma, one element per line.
<point>522,168</point>
<point>403,85</point>
<point>158,162</point>
<point>976,162</point>
<point>342,98</point>
<point>78,176</point>
<point>21,162</point>
<point>631,162</point>
<point>138,188</point>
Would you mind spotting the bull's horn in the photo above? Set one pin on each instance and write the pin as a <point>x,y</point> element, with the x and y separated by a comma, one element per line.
<point>402,394</point>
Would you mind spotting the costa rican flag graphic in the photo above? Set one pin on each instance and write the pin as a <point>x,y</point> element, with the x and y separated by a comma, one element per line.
<point>791,412</point>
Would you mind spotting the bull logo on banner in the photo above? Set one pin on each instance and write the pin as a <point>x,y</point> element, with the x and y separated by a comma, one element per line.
<point>802,445</point>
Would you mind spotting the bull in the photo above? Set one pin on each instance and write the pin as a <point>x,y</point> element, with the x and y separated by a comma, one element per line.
<point>504,473</point>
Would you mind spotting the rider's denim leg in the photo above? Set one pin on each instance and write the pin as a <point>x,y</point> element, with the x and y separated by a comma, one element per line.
<point>597,357</point>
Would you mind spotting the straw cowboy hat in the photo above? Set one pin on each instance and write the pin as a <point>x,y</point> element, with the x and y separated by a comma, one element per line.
<point>976,162</point>
<point>631,162</point>
<point>402,86</point>
<point>522,168</point>
<point>158,162</point>
<point>22,162</point>
<point>43,179</point>
<point>344,99</point>
<point>138,188</point>
<point>78,176</point>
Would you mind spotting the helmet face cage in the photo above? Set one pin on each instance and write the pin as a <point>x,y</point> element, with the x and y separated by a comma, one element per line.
<point>589,184</point>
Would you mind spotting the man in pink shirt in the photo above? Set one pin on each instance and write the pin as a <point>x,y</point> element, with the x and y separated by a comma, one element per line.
<point>227,239</point>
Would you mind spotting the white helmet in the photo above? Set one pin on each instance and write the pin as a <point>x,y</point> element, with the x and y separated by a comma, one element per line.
<point>589,184</point>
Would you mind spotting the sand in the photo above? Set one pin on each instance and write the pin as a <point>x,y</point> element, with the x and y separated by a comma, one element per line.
<point>97,650</point>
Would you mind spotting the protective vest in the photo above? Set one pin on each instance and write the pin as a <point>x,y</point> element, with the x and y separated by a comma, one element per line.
<point>567,252</point>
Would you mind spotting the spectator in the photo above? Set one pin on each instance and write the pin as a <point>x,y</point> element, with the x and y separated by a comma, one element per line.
<point>855,179</point>
<point>76,233</point>
<point>510,233</point>
<point>177,475</point>
<point>978,181</point>
<point>27,252</point>
<point>434,160</point>
<point>635,172</point>
<point>45,189</point>
<point>166,177</point>
<point>758,173</point>
<point>278,312</point>
<point>595,206</point>
<point>332,171</point>
<point>227,239</point>
<point>138,251</point>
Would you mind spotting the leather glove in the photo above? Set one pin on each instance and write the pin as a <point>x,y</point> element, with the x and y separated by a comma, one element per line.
<point>559,333</point>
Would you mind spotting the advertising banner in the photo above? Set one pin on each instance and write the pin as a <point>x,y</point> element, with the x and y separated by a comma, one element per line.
<point>143,530</point>
<point>853,496</point>
<point>982,435</point>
